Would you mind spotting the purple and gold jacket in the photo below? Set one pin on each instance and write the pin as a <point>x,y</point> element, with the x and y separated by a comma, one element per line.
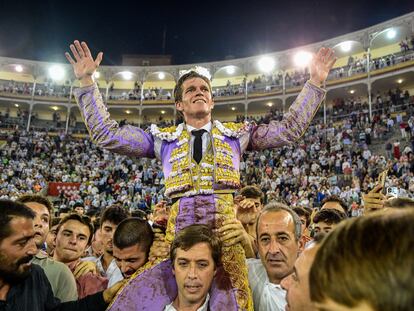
<point>218,172</point>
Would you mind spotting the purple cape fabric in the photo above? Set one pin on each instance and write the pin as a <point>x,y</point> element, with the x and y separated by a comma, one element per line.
<point>155,288</point>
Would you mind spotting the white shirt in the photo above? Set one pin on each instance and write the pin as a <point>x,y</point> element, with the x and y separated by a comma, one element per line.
<point>204,307</point>
<point>366,154</point>
<point>205,138</point>
<point>266,296</point>
<point>113,273</point>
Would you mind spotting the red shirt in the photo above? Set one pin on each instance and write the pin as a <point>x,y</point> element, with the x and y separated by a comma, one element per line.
<point>88,283</point>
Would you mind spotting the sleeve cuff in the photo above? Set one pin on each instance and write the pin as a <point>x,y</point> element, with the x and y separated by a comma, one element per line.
<point>316,87</point>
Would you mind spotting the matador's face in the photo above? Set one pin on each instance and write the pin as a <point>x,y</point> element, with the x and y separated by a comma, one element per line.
<point>197,101</point>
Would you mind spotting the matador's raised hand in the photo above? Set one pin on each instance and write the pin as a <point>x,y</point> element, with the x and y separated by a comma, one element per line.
<point>322,62</point>
<point>84,66</point>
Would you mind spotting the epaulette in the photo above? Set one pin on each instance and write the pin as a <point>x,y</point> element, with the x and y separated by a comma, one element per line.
<point>232,129</point>
<point>168,133</point>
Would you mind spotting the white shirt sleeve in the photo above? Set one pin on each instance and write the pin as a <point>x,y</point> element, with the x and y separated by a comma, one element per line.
<point>244,141</point>
<point>157,147</point>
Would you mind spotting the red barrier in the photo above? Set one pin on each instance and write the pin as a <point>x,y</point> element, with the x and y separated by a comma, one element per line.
<point>68,187</point>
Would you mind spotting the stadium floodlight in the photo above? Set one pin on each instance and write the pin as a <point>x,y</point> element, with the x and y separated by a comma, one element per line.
<point>161,75</point>
<point>230,70</point>
<point>302,58</point>
<point>56,72</point>
<point>399,81</point>
<point>391,33</point>
<point>162,111</point>
<point>352,91</point>
<point>266,64</point>
<point>346,46</point>
<point>126,75</point>
<point>18,68</point>
<point>97,75</point>
<point>233,108</point>
<point>269,104</point>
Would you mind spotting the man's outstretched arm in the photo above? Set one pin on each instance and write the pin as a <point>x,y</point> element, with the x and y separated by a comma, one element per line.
<point>104,131</point>
<point>301,112</point>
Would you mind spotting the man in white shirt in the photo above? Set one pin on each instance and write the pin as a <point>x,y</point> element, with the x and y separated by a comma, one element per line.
<point>366,154</point>
<point>279,243</point>
<point>194,253</point>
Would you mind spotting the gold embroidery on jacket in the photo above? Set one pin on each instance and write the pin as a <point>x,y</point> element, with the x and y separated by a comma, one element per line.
<point>188,178</point>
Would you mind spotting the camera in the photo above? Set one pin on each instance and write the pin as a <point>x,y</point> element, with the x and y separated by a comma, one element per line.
<point>392,191</point>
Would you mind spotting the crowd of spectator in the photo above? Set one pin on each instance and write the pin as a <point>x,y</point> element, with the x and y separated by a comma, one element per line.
<point>153,93</point>
<point>47,89</point>
<point>407,44</point>
<point>394,101</point>
<point>31,161</point>
<point>329,173</point>
<point>337,158</point>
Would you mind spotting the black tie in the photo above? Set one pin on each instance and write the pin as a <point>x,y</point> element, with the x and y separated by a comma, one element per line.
<point>198,145</point>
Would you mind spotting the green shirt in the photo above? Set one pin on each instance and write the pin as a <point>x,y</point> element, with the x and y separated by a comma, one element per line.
<point>60,277</point>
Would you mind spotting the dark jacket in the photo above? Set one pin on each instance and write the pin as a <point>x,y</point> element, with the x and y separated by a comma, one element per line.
<point>35,294</point>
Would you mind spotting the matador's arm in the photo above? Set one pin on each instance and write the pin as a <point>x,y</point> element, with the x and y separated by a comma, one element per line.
<point>105,132</point>
<point>294,123</point>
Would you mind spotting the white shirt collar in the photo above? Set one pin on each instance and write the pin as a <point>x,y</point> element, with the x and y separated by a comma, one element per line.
<point>206,127</point>
<point>204,307</point>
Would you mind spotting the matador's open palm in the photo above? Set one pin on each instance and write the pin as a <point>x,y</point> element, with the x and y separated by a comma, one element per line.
<point>84,66</point>
<point>321,64</point>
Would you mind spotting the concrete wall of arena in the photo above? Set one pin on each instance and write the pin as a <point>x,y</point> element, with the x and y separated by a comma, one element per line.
<point>166,85</point>
<point>48,114</point>
<point>26,78</point>
<point>129,85</point>
<point>118,115</point>
<point>229,116</point>
<point>220,82</point>
<point>13,111</point>
<point>43,113</point>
